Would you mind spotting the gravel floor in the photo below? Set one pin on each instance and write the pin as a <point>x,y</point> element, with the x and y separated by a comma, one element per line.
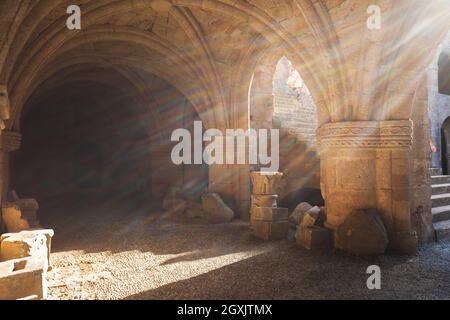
<point>100,253</point>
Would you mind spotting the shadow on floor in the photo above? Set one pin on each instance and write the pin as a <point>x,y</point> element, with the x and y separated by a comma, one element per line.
<point>119,226</point>
<point>287,272</point>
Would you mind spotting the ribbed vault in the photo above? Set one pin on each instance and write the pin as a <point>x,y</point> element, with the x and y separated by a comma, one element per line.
<point>200,46</point>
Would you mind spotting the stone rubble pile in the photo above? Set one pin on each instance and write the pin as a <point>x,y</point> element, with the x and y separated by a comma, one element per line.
<point>361,233</point>
<point>24,252</point>
<point>212,208</point>
<point>309,223</point>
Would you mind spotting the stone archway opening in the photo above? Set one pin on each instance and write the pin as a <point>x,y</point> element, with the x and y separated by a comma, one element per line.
<point>97,143</point>
<point>280,99</point>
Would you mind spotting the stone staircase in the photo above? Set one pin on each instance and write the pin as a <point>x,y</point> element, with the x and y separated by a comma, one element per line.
<point>440,203</point>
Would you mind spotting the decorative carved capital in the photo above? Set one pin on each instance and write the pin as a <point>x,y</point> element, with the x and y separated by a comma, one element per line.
<point>395,134</point>
<point>10,141</point>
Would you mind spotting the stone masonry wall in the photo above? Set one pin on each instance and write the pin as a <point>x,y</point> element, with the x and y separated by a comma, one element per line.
<point>294,107</point>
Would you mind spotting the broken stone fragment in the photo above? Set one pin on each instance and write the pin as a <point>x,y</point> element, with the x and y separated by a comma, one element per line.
<point>13,218</point>
<point>297,215</point>
<point>26,245</point>
<point>20,280</point>
<point>216,211</point>
<point>47,233</point>
<point>313,237</point>
<point>313,217</point>
<point>29,208</point>
<point>362,233</point>
<point>266,183</point>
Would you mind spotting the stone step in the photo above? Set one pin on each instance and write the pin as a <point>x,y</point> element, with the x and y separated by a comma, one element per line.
<point>440,179</point>
<point>436,171</point>
<point>440,188</point>
<point>442,230</point>
<point>440,200</point>
<point>441,213</point>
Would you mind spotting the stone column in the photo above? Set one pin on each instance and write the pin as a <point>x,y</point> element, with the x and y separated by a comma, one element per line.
<point>366,164</point>
<point>10,141</point>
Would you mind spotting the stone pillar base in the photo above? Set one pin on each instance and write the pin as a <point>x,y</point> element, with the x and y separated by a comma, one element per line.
<point>366,165</point>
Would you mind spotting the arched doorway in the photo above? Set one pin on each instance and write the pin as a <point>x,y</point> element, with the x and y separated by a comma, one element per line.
<point>280,99</point>
<point>98,141</point>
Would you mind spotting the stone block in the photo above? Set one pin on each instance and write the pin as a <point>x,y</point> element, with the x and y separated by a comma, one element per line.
<point>266,183</point>
<point>26,245</point>
<point>313,217</point>
<point>270,214</point>
<point>22,282</point>
<point>271,230</point>
<point>297,215</point>
<point>313,237</point>
<point>13,218</point>
<point>48,233</point>
<point>264,200</point>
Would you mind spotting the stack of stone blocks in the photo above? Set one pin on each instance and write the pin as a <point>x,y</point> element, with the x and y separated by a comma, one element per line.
<point>267,220</point>
<point>24,252</point>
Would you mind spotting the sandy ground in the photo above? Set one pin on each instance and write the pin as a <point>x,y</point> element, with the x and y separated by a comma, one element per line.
<point>123,254</point>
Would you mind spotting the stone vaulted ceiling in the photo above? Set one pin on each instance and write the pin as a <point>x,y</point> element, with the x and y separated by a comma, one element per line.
<point>208,50</point>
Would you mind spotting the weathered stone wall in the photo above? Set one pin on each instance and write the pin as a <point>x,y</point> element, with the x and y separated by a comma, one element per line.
<point>421,217</point>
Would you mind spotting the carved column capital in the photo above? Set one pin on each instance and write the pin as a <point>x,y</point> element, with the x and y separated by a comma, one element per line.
<point>395,134</point>
<point>10,141</point>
